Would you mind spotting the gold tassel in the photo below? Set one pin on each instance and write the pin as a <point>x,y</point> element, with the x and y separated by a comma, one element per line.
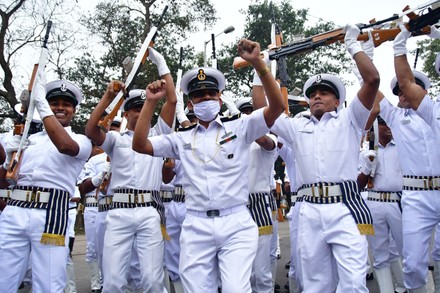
<point>265,230</point>
<point>366,229</point>
<point>164,232</point>
<point>53,239</point>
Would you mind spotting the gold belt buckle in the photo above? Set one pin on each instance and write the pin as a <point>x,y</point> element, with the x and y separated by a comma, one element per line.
<point>385,196</point>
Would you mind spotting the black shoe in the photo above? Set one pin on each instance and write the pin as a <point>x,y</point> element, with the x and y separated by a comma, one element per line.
<point>96,291</point>
<point>370,276</point>
<point>431,268</point>
<point>286,286</point>
<point>277,287</point>
<point>287,266</point>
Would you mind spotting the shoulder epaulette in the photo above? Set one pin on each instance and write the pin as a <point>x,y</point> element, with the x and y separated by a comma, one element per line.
<point>230,118</point>
<point>187,127</point>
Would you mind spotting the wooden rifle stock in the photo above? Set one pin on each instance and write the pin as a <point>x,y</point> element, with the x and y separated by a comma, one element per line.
<point>22,129</point>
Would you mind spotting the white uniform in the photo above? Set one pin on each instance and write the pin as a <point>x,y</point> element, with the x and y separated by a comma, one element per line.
<point>293,216</point>
<point>135,185</point>
<point>218,233</point>
<point>94,166</point>
<point>260,177</point>
<point>326,153</point>
<point>22,227</point>
<point>419,157</point>
<point>175,213</point>
<point>384,203</point>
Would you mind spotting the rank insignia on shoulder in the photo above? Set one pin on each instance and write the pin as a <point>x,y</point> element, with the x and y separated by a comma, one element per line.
<point>228,139</point>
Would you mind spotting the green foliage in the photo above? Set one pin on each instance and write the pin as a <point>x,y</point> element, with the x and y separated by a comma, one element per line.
<point>328,59</point>
<point>119,30</point>
<point>428,51</point>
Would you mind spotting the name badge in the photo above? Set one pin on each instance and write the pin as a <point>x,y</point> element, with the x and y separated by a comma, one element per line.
<point>405,122</point>
<point>187,146</point>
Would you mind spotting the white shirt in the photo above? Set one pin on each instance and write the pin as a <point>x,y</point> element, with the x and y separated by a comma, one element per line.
<point>326,150</point>
<point>430,113</point>
<point>261,167</point>
<point>290,168</point>
<point>44,166</point>
<point>93,167</point>
<point>179,172</point>
<point>129,168</point>
<point>216,175</point>
<point>417,146</point>
<point>388,174</point>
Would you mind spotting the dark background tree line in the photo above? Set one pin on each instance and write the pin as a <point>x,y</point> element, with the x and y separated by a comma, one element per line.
<point>90,52</point>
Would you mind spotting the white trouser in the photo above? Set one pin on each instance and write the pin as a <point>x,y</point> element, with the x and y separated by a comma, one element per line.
<point>261,278</point>
<point>90,215</point>
<point>420,216</point>
<point>387,218</point>
<point>295,267</point>
<point>274,243</point>
<point>20,232</point>
<point>123,225</point>
<point>99,242</point>
<point>435,253</point>
<point>134,276</point>
<point>221,245</point>
<point>70,270</point>
<point>329,241</point>
<point>175,213</point>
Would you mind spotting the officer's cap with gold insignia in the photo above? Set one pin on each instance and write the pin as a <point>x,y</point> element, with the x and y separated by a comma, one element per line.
<point>328,81</point>
<point>64,89</point>
<point>421,79</point>
<point>135,98</point>
<point>202,78</point>
<point>244,103</point>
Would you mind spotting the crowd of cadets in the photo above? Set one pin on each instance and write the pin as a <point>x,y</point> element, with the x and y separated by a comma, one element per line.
<point>190,208</point>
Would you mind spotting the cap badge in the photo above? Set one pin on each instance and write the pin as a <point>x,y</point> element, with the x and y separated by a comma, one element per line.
<point>143,95</point>
<point>201,75</point>
<point>318,78</point>
<point>63,87</point>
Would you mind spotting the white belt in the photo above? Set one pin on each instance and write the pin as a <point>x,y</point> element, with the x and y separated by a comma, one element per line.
<point>105,200</point>
<point>28,196</point>
<point>383,195</point>
<point>166,194</point>
<point>5,193</point>
<point>132,198</point>
<point>91,199</point>
<point>178,190</point>
<point>422,183</point>
<point>320,191</point>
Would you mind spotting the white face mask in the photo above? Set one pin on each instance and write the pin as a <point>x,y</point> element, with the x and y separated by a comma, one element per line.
<point>207,110</point>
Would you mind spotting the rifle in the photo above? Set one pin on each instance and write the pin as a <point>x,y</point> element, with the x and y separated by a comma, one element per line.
<point>141,57</point>
<point>418,25</point>
<point>277,39</point>
<point>38,70</point>
<point>373,144</point>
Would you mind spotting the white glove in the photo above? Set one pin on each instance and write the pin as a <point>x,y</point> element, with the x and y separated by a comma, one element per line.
<point>98,178</point>
<point>368,46</point>
<point>227,100</point>
<point>435,33</point>
<point>180,108</point>
<point>351,34</point>
<point>399,44</point>
<point>257,80</point>
<point>12,146</point>
<point>158,59</point>
<point>39,96</point>
<point>368,161</point>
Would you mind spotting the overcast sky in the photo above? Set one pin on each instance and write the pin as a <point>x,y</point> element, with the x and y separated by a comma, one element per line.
<point>340,12</point>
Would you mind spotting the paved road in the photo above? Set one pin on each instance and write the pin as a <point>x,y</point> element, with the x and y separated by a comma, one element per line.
<point>83,282</point>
